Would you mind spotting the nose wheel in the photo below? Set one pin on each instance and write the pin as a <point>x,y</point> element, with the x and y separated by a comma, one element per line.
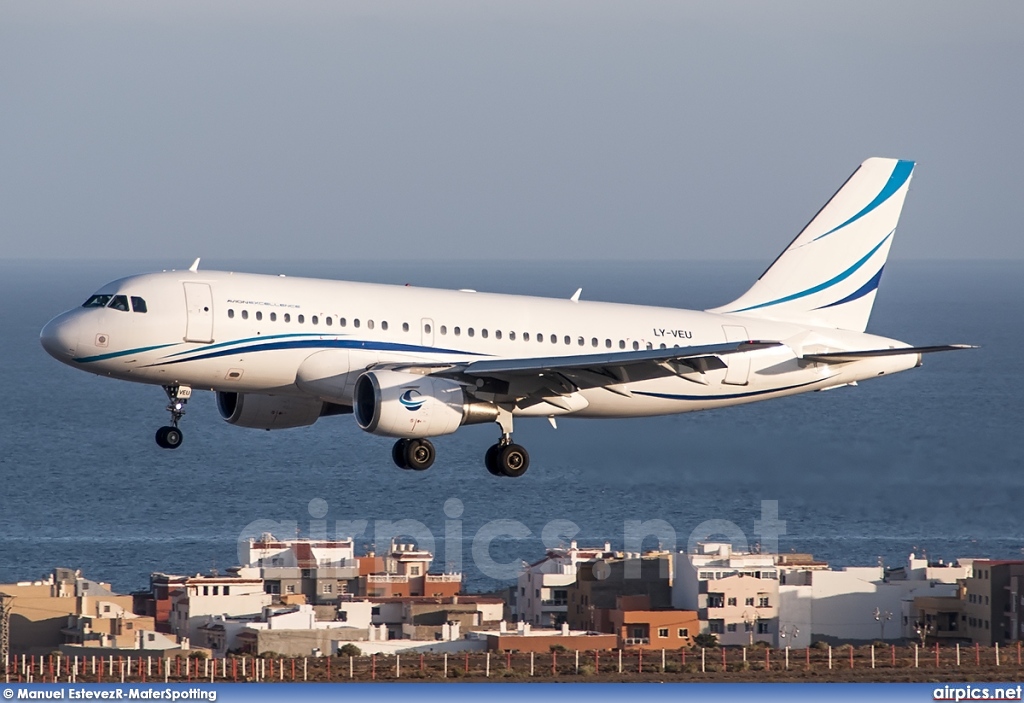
<point>169,436</point>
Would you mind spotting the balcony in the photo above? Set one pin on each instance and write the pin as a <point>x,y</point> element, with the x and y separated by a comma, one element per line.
<point>444,578</point>
<point>387,578</point>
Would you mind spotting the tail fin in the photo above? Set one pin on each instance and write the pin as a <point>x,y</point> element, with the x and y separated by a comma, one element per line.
<point>829,274</point>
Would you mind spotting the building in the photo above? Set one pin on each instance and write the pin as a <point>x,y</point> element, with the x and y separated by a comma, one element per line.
<point>542,590</point>
<point>197,598</point>
<point>735,594</point>
<point>598,584</point>
<point>299,627</point>
<point>993,602</point>
<point>424,618</point>
<point>405,573</point>
<point>40,610</point>
<point>320,570</point>
<point>542,640</point>
<point>637,625</point>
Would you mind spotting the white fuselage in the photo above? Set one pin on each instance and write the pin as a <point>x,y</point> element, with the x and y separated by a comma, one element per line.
<point>277,335</point>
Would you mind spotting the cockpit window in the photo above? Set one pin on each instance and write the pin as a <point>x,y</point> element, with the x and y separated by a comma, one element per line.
<point>138,304</point>
<point>97,301</point>
<point>119,302</point>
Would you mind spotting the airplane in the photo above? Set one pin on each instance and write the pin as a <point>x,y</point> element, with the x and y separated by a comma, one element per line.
<point>415,363</point>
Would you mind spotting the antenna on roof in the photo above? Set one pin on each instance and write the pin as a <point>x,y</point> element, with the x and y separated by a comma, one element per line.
<point>195,265</point>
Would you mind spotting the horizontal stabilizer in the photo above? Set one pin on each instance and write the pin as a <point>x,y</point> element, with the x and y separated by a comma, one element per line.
<point>839,357</point>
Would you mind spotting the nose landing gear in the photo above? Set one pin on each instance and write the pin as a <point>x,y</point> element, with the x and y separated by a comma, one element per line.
<point>170,437</point>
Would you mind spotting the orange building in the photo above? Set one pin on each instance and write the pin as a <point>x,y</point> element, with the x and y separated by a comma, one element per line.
<point>637,626</point>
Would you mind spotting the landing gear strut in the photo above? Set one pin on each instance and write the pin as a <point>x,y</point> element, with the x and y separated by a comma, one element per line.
<point>170,437</point>
<point>415,454</point>
<point>506,458</point>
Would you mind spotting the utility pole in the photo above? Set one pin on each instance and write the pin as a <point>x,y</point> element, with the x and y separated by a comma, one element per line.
<point>882,617</point>
<point>6,605</point>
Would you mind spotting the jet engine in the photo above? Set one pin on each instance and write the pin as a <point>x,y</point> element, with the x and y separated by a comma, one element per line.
<point>273,412</point>
<point>399,404</point>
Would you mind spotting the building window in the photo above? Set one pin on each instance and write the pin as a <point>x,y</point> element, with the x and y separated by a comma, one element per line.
<point>106,609</point>
<point>716,600</point>
<point>328,588</point>
<point>715,627</point>
<point>732,601</point>
<point>684,632</point>
<point>206,590</point>
<point>414,571</point>
<point>290,588</point>
<point>762,628</point>
<point>749,601</point>
<point>227,590</point>
<point>732,627</point>
<point>662,632</point>
<point>375,610</point>
<point>216,590</point>
<point>762,602</point>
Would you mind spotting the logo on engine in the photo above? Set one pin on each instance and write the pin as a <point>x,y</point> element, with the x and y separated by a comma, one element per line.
<point>412,400</point>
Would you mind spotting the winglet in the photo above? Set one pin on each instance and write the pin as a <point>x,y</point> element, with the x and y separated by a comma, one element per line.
<point>576,296</point>
<point>195,266</point>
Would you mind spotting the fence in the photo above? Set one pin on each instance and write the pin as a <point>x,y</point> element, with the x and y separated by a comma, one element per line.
<point>555,664</point>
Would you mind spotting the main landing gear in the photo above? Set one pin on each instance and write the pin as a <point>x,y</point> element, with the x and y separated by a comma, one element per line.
<point>502,459</point>
<point>415,454</point>
<point>170,437</point>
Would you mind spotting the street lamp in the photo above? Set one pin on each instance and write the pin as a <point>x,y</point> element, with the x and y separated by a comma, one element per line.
<point>882,617</point>
<point>751,621</point>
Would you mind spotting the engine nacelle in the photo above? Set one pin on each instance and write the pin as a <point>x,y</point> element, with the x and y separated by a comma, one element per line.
<point>398,404</point>
<point>272,412</point>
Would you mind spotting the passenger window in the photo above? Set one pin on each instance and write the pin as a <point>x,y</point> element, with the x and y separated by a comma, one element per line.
<point>540,337</point>
<point>497,334</point>
<point>369,324</point>
<point>231,314</point>
<point>342,322</point>
<point>287,317</point>
<point>526,336</point>
<point>650,346</point>
<point>444,329</point>
<point>608,343</point>
<point>328,321</point>
<point>512,336</point>
<point>302,319</point>
<point>119,302</point>
<point>97,301</point>
<point>405,326</point>
<point>636,345</point>
<point>245,314</point>
<point>593,342</point>
<point>580,341</point>
<point>662,345</point>
<point>483,333</point>
<point>457,331</point>
<point>427,328</point>
<point>138,304</point>
<point>273,317</point>
<point>470,332</point>
<point>259,315</point>
<point>622,344</point>
<point>384,325</point>
<point>355,322</point>
<point>314,319</point>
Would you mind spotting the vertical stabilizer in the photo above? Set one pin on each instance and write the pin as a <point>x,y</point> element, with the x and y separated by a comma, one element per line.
<point>829,274</point>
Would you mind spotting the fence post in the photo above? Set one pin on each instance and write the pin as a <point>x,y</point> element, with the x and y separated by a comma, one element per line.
<point>554,660</point>
<point>936,655</point>
<point>640,661</point>
<point>977,654</point>
<point>915,655</point>
<point>851,656</point>
<point>703,664</point>
<point>620,661</point>
<point>531,663</point>
<point>398,666</point>
<point>894,655</point>
<point>446,665</point>
<point>872,656</point>
<point>305,669</point>
<point>744,655</point>
<point>663,660</point>
<point>767,659</point>
<point>997,654</point>
<point>830,657</point>
<point>351,667</point>
<point>487,665</point>
<point>807,658</point>
<point>787,656</point>
<point>958,655</point>
<point>577,661</point>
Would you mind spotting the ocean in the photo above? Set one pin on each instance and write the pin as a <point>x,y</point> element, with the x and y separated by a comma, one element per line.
<point>926,461</point>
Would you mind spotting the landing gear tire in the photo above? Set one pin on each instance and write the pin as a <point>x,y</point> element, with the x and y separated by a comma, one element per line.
<point>491,460</point>
<point>169,437</point>
<point>398,454</point>
<point>419,454</point>
<point>513,460</point>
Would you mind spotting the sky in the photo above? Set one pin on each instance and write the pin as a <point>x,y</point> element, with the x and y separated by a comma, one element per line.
<point>503,130</point>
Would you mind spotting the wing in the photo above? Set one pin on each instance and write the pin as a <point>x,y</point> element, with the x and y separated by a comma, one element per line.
<point>840,357</point>
<point>546,379</point>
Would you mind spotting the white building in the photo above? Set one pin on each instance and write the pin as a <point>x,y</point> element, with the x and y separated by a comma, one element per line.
<point>200,597</point>
<point>542,596</point>
<point>859,603</point>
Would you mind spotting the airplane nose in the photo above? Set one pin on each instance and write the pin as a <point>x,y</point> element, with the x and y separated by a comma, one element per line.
<point>59,338</point>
